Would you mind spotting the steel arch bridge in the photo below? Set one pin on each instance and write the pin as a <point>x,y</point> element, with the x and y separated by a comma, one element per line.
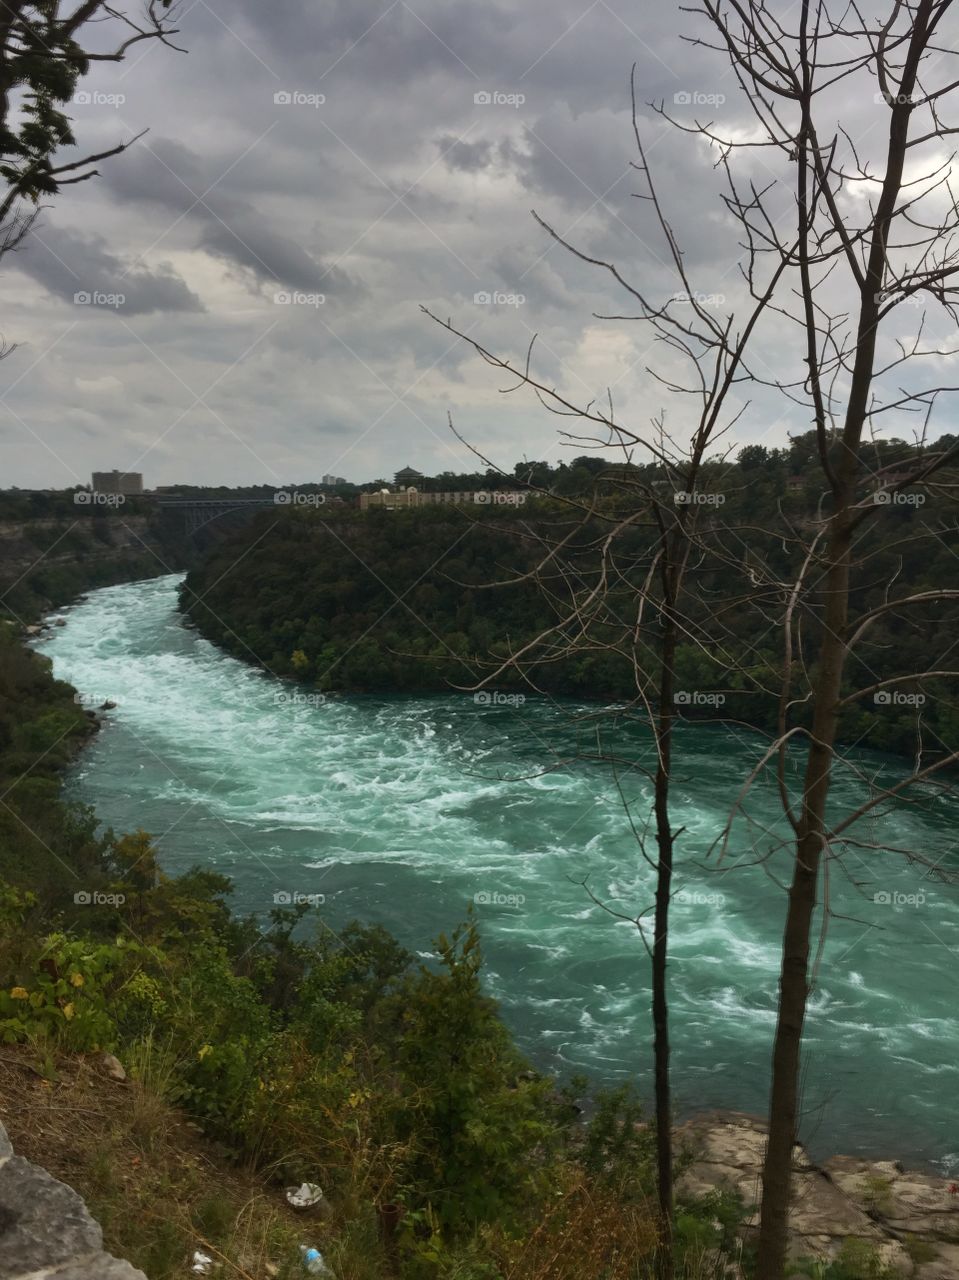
<point>198,512</point>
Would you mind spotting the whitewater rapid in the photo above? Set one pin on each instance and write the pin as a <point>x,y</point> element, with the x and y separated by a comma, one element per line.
<point>405,810</point>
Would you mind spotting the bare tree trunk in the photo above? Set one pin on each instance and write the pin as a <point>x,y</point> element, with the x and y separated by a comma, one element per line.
<point>811,833</point>
<point>803,896</point>
<point>664,878</point>
<point>889,252</point>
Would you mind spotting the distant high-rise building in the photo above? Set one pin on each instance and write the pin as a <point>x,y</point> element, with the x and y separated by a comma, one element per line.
<point>126,482</point>
<point>332,480</point>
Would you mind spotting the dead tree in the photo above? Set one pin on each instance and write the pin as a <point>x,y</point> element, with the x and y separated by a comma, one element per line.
<point>635,603</point>
<point>898,243</point>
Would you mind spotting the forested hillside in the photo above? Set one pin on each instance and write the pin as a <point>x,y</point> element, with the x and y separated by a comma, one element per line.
<point>437,597</point>
<point>52,548</point>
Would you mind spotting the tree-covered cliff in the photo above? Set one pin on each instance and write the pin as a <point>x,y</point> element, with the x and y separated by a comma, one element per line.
<point>391,601</point>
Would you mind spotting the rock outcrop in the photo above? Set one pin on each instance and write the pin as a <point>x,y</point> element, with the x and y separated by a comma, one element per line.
<point>910,1219</point>
<point>46,1231</point>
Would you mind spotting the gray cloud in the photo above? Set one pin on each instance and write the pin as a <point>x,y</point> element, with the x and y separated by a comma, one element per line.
<point>399,189</point>
<point>171,176</point>
<point>470,157</point>
<point>68,264</point>
<point>269,256</point>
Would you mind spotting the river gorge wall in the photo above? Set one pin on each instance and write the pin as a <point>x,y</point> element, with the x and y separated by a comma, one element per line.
<point>45,563</point>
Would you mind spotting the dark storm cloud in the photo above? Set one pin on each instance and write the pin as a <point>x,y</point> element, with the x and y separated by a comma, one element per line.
<point>172,177</point>
<point>80,269</point>
<point>557,51</point>
<point>441,125</point>
<point>271,257</point>
<point>396,40</point>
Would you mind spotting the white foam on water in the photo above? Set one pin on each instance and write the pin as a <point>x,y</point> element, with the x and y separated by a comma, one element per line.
<point>399,803</point>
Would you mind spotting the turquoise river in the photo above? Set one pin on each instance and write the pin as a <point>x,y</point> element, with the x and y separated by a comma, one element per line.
<point>405,810</point>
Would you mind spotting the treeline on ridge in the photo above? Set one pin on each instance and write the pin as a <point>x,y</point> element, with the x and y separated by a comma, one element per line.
<point>400,601</point>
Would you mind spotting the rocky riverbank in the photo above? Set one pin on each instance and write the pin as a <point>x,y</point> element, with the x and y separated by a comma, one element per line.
<point>911,1220</point>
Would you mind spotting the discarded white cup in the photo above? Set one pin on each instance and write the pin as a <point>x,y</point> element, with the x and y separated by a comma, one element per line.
<point>306,1196</point>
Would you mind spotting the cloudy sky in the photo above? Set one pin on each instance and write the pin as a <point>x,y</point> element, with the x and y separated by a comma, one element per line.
<point>237,298</point>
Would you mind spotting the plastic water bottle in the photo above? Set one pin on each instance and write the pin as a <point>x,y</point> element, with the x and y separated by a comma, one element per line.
<point>313,1262</point>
